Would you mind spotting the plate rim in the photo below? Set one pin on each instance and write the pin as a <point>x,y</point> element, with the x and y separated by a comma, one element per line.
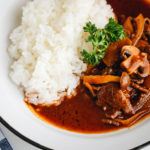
<point>20,135</point>
<point>28,140</point>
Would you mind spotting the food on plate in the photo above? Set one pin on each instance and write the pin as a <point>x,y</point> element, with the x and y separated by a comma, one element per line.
<point>119,82</point>
<point>80,66</point>
<point>100,40</point>
<point>46,46</point>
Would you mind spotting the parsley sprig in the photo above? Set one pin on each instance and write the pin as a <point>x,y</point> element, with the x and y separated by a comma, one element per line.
<point>100,40</point>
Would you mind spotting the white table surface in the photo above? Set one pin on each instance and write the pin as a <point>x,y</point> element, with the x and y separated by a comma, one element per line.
<point>19,144</point>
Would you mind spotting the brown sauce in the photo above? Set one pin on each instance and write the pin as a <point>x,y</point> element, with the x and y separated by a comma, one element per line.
<point>131,7</point>
<point>80,113</point>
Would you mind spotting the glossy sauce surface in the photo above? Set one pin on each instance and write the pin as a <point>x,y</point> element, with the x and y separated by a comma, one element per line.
<point>131,7</point>
<point>80,113</point>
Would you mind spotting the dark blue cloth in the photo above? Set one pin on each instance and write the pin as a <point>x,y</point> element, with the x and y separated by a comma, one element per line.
<point>4,145</point>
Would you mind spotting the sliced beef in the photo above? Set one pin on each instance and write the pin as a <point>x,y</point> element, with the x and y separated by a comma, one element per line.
<point>114,101</point>
<point>106,95</point>
<point>137,81</point>
<point>124,102</point>
<point>143,99</point>
<point>140,88</point>
<point>106,100</point>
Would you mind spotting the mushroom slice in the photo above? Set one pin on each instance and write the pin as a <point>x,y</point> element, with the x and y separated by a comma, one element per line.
<point>125,80</point>
<point>128,51</point>
<point>144,69</point>
<point>138,64</point>
<point>132,64</point>
<point>113,51</point>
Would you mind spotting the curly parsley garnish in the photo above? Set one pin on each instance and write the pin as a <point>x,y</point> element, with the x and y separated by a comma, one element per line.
<point>100,40</point>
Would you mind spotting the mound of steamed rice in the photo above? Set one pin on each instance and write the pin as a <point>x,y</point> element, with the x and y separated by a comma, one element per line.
<point>46,46</point>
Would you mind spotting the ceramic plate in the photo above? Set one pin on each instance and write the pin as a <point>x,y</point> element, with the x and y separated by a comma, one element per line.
<point>24,123</point>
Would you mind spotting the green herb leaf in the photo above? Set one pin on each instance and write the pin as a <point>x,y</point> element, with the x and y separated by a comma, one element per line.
<point>100,40</point>
<point>115,30</point>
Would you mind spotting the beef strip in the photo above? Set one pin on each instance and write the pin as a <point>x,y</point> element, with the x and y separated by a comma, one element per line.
<point>106,100</point>
<point>134,94</point>
<point>124,102</point>
<point>144,97</point>
<point>138,81</point>
<point>140,88</point>
<point>114,101</point>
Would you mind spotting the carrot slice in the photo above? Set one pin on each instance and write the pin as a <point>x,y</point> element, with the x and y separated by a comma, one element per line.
<point>90,88</point>
<point>100,79</point>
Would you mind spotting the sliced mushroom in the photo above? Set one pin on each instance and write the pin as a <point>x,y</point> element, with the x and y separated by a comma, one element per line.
<point>135,62</point>
<point>144,69</point>
<point>132,64</point>
<point>128,51</point>
<point>147,27</point>
<point>124,80</point>
<point>113,51</point>
<point>134,28</point>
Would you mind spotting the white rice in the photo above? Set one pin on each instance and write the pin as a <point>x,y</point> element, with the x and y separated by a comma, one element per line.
<point>46,46</point>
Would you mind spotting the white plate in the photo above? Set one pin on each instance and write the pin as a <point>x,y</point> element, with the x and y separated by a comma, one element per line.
<point>18,116</point>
